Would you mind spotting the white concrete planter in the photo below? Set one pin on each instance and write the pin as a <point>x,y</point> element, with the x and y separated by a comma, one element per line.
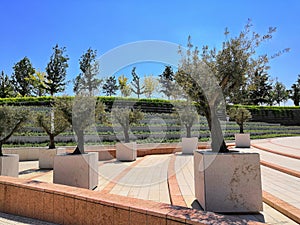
<point>189,145</point>
<point>76,170</point>
<point>242,140</point>
<point>25,153</point>
<point>126,151</point>
<point>228,182</point>
<point>46,157</point>
<point>9,165</point>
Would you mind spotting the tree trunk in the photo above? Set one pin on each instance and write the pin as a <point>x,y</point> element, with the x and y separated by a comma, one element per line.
<point>126,135</point>
<point>188,131</point>
<point>80,143</point>
<point>241,128</point>
<point>52,143</point>
<point>217,140</point>
<point>1,153</point>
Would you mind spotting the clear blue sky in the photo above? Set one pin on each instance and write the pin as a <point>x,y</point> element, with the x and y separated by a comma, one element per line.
<point>32,27</point>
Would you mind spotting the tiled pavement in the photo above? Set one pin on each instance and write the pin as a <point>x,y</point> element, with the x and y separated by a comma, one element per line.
<point>147,178</point>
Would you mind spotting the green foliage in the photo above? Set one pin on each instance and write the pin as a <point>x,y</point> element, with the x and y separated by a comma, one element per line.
<point>56,71</point>
<point>259,88</point>
<point>229,67</point>
<point>22,72</point>
<point>53,122</point>
<point>240,115</point>
<point>110,86</point>
<point>150,84</point>
<point>295,92</point>
<point>279,93</point>
<point>188,116</point>
<point>11,119</point>
<point>37,82</point>
<point>124,87</point>
<point>126,117</point>
<point>86,81</point>
<point>137,87</point>
<point>6,86</point>
<point>166,80</point>
<point>81,112</point>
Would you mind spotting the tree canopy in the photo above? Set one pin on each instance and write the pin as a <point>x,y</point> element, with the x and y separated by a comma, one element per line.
<point>56,71</point>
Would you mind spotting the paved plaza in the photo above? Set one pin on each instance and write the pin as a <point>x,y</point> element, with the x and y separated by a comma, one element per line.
<point>147,178</point>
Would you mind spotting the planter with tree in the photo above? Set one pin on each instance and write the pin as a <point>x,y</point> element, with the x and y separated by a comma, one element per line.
<point>188,118</point>
<point>52,127</point>
<point>126,151</point>
<point>80,169</point>
<point>241,115</point>
<point>225,181</point>
<point>11,120</point>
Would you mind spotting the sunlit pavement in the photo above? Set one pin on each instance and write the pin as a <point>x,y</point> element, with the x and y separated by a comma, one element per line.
<point>147,178</point>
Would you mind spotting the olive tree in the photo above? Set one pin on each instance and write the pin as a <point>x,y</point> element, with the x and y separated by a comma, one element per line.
<point>240,115</point>
<point>213,75</point>
<point>52,127</point>
<point>11,120</point>
<point>82,113</point>
<point>126,117</point>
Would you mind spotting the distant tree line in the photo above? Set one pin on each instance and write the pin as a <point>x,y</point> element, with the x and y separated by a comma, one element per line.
<point>256,89</point>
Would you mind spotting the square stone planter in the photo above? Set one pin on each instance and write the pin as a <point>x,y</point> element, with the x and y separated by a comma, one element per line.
<point>76,170</point>
<point>46,157</point>
<point>126,151</point>
<point>189,145</point>
<point>9,165</point>
<point>242,140</point>
<point>228,182</point>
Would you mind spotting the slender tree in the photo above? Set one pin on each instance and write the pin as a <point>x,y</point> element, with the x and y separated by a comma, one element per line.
<point>279,93</point>
<point>56,71</point>
<point>123,86</point>
<point>87,81</point>
<point>150,85</point>
<point>6,86</point>
<point>295,92</point>
<point>22,71</point>
<point>110,86</point>
<point>136,85</point>
<point>167,81</point>
<point>259,88</point>
<point>37,82</point>
<point>11,120</point>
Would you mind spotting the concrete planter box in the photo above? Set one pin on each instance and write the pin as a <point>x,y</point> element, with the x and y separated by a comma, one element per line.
<point>242,140</point>
<point>126,151</point>
<point>25,154</point>
<point>46,157</point>
<point>189,145</point>
<point>76,170</point>
<point>228,182</point>
<point>9,165</point>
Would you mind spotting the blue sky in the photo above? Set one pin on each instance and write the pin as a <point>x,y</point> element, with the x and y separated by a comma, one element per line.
<point>32,27</point>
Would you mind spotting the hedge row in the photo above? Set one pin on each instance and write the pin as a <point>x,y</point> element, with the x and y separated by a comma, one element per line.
<point>270,114</point>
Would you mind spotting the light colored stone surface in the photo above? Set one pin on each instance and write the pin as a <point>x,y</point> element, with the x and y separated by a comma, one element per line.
<point>126,151</point>
<point>25,154</point>
<point>9,165</point>
<point>46,157</point>
<point>8,219</point>
<point>76,170</point>
<point>229,182</point>
<point>189,145</point>
<point>242,140</point>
